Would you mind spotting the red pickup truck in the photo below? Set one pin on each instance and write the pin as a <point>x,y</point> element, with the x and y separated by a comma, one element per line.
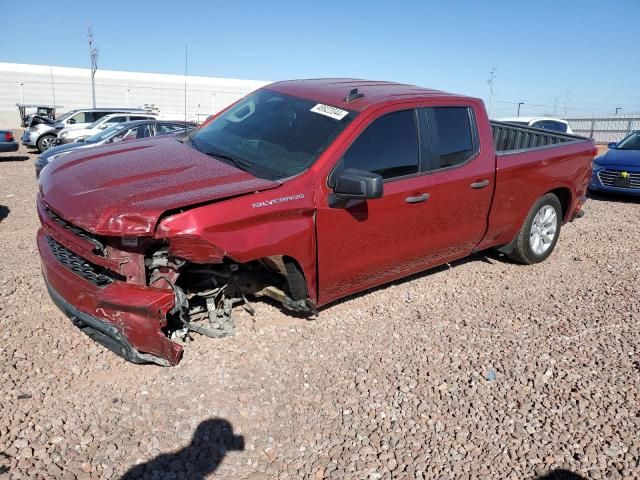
<point>304,192</point>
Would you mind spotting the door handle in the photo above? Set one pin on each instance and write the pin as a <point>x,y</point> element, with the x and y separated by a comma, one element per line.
<point>417,198</point>
<point>480,184</point>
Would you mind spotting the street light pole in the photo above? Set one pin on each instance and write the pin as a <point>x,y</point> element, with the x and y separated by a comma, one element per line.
<point>617,110</point>
<point>519,103</point>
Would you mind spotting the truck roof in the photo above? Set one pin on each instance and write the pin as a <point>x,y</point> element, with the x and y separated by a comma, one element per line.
<point>333,91</point>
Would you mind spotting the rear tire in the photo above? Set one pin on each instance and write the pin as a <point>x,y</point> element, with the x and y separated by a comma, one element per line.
<point>538,236</point>
<point>45,142</point>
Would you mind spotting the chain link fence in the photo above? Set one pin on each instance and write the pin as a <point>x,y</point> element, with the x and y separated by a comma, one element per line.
<point>604,129</point>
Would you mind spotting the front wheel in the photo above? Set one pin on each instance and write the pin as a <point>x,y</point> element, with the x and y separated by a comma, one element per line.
<point>45,142</point>
<point>538,236</point>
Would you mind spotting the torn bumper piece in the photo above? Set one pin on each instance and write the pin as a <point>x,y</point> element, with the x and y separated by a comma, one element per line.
<point>126,318</point>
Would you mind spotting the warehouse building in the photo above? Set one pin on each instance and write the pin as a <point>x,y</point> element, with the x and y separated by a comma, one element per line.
<point>70,88</point>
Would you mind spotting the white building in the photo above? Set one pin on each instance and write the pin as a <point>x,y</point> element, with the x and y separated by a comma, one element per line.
<point>71,88</point>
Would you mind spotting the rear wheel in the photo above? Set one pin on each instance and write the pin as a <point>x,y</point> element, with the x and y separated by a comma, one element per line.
<point>538,236</point>
<point>45,142</point>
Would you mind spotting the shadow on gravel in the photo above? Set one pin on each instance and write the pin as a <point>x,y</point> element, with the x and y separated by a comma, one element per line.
<point>612,197</point>
<point>210,443</point>
<point>561,474</point>
<point>14,158</point>
<point>4,212</point>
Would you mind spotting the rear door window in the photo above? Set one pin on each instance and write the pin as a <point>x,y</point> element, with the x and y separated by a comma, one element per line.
<point>453,136</point>
<point>389,147</point>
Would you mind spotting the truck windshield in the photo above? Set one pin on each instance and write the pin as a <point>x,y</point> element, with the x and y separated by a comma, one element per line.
<point>272,135</point>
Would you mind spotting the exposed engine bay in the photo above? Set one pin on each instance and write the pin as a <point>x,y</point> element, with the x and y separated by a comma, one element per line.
<point>205,294</point>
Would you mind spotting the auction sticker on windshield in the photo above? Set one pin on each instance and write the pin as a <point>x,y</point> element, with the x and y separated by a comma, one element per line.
<point>329,111</point>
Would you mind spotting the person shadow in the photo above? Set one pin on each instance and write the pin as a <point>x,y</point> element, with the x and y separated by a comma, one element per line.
<point>210,443</point>
<point>560,474</point>
<point>4,212</point>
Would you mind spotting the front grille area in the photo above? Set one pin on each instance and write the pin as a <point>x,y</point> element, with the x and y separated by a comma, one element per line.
<point>95,274</point>
<point>614,178</point>
<point>98,247</point>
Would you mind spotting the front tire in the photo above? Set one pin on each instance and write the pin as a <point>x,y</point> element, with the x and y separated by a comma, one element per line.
<point>45,142</point>
<point>538,236</point>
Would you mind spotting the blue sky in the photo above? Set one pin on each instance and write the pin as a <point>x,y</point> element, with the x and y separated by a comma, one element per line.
<point>541,49</point>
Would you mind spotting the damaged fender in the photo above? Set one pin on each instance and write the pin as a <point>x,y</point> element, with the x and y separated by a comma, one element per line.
<point>245,229</point>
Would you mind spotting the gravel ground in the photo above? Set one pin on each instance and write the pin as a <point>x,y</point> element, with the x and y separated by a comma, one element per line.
<point>484,369</point>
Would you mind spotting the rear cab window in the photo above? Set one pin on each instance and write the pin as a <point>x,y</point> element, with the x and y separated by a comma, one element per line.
<point>452,134</point>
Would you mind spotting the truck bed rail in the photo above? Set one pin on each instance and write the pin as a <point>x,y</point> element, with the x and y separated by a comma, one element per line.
<point>511,138</point>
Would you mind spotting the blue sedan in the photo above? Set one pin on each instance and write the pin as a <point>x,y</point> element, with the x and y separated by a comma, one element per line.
<point>618,170</point>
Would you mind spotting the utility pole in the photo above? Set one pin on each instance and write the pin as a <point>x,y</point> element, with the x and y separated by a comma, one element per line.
<point>93,54</point>
<point>519,103</point>
<point>53,90</point>
<point>186,72</point>
<point>491,82</point>
<point>617,110</point>
<point>566,103</point>
<point>21,91</point>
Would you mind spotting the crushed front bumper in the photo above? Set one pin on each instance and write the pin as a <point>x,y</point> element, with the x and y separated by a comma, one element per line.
<point>126,318</point>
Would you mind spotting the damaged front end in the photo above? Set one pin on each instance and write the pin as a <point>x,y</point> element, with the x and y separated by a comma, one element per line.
<point>143,297</point>
<point>205,294</point>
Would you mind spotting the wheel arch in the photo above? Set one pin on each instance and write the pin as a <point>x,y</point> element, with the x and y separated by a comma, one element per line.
<point>565,198</point>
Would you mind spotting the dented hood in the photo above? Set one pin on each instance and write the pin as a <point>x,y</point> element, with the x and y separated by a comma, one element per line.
<point>123,189</point>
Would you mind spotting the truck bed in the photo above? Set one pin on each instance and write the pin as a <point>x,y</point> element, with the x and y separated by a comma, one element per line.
<point>530,163</point>
<point>511,138</point>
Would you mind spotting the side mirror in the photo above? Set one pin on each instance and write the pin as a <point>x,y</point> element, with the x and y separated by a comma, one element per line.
<point>72,121</point>
<point>612,145</point>
<point>358,184</point>
<point>103,126</point>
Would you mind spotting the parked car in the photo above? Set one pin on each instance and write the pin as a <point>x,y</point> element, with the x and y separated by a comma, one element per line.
<point>113,134</point>
<point>545,123</point>
<point>71,133</point>
<point>7,142</point>
<point>304,192</point>
<point>618,170</point>
<point>43,135</point>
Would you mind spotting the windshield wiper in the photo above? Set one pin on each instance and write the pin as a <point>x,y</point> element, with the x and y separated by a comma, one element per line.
<point>241,164</point>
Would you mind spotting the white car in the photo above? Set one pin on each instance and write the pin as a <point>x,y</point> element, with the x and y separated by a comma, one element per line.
<point>71,134</point>
<point>546,123</point>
